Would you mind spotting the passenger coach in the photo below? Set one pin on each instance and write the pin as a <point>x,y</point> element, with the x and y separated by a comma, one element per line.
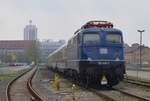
<point>95,54</point>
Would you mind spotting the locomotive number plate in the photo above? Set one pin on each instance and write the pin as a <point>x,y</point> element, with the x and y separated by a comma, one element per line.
<point>103,63</point>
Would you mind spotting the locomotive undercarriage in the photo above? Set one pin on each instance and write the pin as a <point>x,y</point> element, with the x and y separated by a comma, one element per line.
<point>93,72</point>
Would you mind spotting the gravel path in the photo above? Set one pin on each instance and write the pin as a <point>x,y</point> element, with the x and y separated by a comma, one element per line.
<point>7,74</point>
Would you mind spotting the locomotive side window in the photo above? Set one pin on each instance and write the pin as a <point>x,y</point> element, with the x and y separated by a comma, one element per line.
<point>113,38</point>
<point>91,37</point>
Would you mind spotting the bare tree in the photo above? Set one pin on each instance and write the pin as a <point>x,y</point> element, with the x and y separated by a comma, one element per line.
<point>32,51</point>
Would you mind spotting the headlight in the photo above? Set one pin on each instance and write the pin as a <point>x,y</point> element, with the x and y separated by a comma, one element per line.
<point>103,51</point>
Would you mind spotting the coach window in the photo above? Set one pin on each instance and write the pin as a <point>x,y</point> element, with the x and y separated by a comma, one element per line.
<point>92,37</point>
<point>113,38</point>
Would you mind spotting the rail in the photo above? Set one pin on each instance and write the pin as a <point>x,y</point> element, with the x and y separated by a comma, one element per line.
<point>34,92</point>
<point>137,82</point>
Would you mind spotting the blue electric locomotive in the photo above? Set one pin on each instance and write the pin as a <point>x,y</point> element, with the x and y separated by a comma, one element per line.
<point>94,54</point>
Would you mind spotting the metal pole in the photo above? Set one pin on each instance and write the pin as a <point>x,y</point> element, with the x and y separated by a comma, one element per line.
<point>141,31</point>
<point>140,49</point>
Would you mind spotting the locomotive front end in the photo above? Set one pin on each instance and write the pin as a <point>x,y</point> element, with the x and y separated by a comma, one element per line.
<point>102,56</point>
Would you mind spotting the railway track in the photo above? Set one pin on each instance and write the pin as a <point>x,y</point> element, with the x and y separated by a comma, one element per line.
<point>135,96</point>
<point>118,95</point>
<point>106,97</point>
<point>137,82</point>
<point>20,89</point>
<point>113,94</point>
<point>132,95</point>
<point>109,95</point>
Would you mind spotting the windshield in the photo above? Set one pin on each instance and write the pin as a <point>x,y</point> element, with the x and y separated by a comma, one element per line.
<point>113,38</point>
<point>92,37</point>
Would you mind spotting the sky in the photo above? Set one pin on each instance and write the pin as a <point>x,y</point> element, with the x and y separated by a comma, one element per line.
<point>59,19</point>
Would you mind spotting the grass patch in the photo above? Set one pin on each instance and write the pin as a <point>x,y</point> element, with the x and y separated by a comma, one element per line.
<point>6,76</point>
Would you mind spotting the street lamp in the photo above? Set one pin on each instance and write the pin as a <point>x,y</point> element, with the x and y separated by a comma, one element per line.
<point>140,31</point>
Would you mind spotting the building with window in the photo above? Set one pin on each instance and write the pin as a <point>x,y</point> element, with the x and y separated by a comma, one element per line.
<point>49,46</point>
<point>132,54</point>
<point>30,32</point>
<point>13,48</point>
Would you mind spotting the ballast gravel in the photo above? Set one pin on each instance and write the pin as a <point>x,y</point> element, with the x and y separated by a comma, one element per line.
<point>43,82</point>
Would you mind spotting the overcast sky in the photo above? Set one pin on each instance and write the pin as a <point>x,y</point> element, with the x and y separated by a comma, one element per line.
<point>58,19</point>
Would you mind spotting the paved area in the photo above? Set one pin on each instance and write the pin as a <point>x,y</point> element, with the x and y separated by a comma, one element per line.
<point>141,74</point>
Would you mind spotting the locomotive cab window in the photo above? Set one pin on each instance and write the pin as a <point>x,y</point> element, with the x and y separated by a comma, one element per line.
<point>113,38</point>
<point>92,37</point>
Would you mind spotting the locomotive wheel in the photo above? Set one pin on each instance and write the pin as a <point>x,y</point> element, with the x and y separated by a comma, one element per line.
<point>56,69</point>
<point>115,82</point>
<point>87,83</point>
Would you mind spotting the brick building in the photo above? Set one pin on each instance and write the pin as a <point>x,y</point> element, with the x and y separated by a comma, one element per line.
<point>11,48</point>
<point>132,54</point>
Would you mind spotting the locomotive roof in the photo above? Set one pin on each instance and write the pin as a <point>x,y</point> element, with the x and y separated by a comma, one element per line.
<point>94,29</point>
